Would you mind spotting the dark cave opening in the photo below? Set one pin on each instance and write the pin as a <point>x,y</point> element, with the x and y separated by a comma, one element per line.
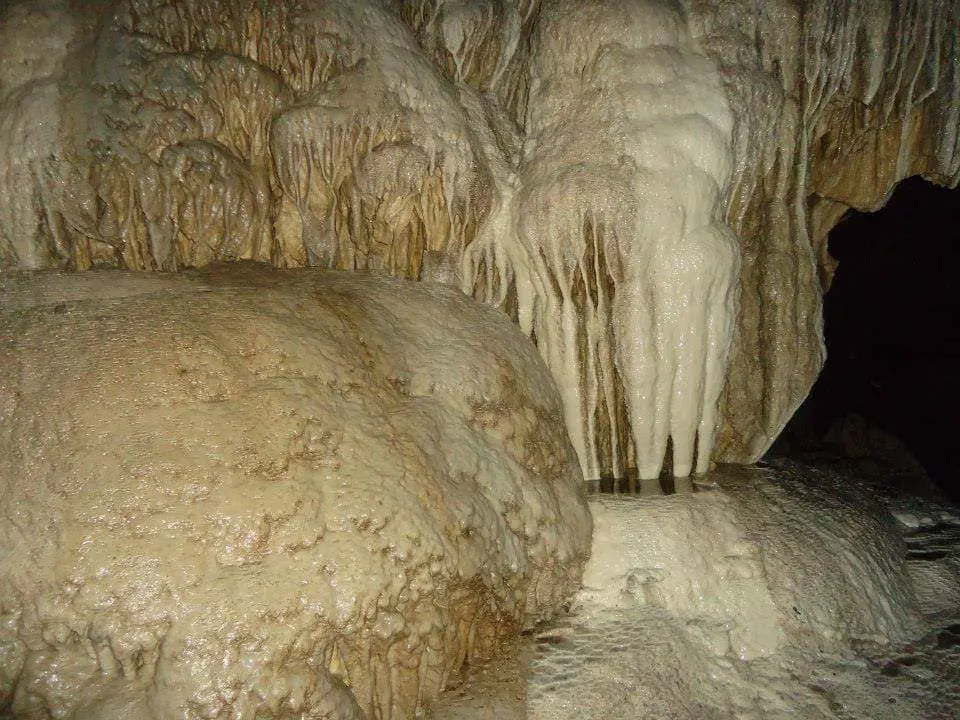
<point>893,339</point>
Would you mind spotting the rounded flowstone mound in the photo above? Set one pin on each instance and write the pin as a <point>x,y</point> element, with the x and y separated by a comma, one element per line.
<point>248,493</point>
<point>769,559</point>
<point>767,597</point>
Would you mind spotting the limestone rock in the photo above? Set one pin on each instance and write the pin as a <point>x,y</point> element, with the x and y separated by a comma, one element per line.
<point>835,102</point>
<point>786,591</point>
<point>615,248</point>
<point>645,187</point>
<point>755,566</point>
<point>247,492</point>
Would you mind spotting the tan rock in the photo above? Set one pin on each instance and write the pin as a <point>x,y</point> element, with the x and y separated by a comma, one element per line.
<point>834,105</point>
<point>594,169</point>
<point>246,492</point>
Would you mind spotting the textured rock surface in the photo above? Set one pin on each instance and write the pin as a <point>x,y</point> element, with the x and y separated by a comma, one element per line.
<point>587,166</point>
<point>242,492</point>
<point>835,102</point>
<point>636,650</point>
<point>617,252</point>
<point>783,593</point>
<point>736,566</point>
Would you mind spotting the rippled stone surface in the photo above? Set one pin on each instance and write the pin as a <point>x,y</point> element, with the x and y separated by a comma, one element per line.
<point>849,640</point>
<point>245,492</point>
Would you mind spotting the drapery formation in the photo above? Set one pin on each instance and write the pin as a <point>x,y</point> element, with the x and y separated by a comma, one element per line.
<point>599,170</point>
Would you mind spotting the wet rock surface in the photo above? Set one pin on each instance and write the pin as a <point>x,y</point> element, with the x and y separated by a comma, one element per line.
<point>643,660</point>
<point>242,492</point>
<point>537,152</point>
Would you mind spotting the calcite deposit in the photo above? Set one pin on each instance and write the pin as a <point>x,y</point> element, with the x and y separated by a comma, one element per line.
<point>835,103</point>
<point>645,187</point>
<point>244,492</point>
<point>622,266</point>
<point>772,595</point>
<point>755,566</point>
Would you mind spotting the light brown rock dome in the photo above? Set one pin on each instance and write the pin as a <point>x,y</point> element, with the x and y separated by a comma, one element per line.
<point>249,493</point>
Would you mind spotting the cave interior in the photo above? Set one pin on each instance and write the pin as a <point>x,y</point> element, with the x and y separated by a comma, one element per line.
<point>892,334</point>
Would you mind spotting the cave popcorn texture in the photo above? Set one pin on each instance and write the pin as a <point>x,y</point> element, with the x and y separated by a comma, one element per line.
<point>218,503</point>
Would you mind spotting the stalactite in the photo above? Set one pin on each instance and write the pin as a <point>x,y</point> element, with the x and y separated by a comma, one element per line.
<point>282,104</point>
<point>481,43</point>
<point>644,193</point>
<point>835,102</point>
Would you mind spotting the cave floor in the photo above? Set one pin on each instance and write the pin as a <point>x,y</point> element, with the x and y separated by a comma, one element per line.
<point>641,664</point>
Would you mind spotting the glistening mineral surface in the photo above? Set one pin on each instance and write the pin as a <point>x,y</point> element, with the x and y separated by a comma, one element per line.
<point>251,493</point>
<point>613,174</point>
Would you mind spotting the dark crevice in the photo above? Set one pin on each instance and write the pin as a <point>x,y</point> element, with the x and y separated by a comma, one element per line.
<point>892,327</point>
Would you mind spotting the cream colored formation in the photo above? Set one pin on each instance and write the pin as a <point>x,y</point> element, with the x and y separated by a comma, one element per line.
<point>631,267</point>
<point>223,496</point>
<point>188,532</point>
<point>779,594</point>
<point>600,170</point>
<point>835,102</point>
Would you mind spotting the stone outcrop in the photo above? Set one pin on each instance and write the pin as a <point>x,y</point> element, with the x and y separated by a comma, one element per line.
<point>615,176</point>
<point>246,492</point>
<point>835,103</point>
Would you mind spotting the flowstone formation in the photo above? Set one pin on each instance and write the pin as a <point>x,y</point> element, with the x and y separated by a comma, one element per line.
<point>612,174</point>
<point>771,595</point>
<point>617,253</point>
<point>835,102</point>
<point>244,492</point>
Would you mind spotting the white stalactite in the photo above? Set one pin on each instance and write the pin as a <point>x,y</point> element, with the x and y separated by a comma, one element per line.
<point>571,161</point>
<point>628,153</point>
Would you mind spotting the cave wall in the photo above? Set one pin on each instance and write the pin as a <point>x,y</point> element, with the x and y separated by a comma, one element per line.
<point>645,187</point>
<point>836,102</point>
